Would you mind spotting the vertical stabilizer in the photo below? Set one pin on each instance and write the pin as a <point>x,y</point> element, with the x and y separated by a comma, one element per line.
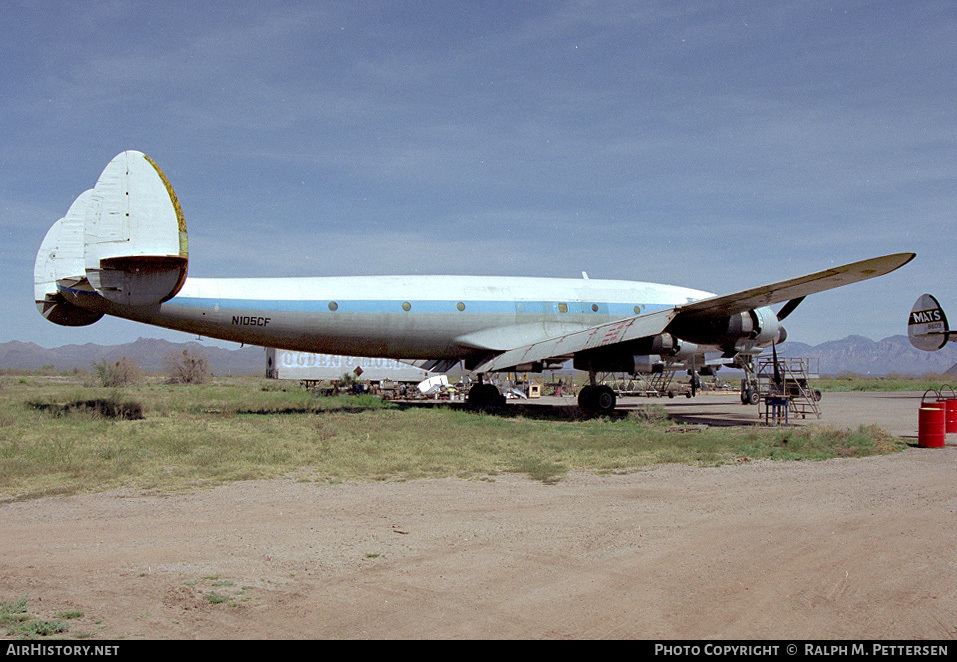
<point>927,327</point>
<point>124,239</point>
<point>135,249</point>
<point>61,254</point>
<point>59,263</point>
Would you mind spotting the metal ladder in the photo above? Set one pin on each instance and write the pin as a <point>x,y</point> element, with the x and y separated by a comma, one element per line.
<point>788,378</point>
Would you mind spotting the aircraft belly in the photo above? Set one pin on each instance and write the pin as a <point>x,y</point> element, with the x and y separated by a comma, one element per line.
<point>386,335</point>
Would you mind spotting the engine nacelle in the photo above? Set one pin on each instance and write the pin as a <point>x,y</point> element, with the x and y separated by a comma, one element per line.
<point>667,346</point>
<point>684,351</point>
<point>756,328</point>
<point>648,356</point>
<point>760,326</point>
<point>767,331</point>
<point>647,365</point>
<point>766,328</point>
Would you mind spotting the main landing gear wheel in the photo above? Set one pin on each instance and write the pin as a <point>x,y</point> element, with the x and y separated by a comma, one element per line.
<point>485,396</point>
<point>598,399</point>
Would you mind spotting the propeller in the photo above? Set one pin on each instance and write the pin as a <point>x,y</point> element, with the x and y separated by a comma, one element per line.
<point>789,307</point>
<point>778,380</point>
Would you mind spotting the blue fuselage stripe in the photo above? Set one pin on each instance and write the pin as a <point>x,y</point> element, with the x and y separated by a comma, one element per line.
<point>419,306</point>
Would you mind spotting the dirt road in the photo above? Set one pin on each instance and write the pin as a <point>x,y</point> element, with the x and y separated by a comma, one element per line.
<point>863,548</point>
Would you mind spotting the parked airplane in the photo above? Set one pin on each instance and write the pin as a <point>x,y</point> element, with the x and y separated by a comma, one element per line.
<point>121,250</point>
<point>927,326</point>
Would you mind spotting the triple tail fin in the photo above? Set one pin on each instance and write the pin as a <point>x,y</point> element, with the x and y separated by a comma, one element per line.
<point>124,239</point>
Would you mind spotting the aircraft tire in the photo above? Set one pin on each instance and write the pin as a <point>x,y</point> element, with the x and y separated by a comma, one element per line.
<point>485,396</point>
<point>496,397</point>
<point>604,399</point>
<point>476,395</point>
<point>585,397</point>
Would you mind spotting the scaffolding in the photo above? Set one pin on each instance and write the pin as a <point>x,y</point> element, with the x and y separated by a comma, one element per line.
<point>654,385</point>
<point>784,388</point>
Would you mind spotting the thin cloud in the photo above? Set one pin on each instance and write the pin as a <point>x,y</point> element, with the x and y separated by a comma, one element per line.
<point>711,145</point>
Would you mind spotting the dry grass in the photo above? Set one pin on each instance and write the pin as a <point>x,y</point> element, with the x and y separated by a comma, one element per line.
<point>238,429</point>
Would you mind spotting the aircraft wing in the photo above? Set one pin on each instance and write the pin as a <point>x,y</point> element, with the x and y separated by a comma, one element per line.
<point>631,328</point>
<point>795,288</point>
<point>434,365</point>
<point>651,324</point>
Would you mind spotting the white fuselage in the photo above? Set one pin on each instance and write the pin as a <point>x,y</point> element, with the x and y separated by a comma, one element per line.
<point>411,317</point>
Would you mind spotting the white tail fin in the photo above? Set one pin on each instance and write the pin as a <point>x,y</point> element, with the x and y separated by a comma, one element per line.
<point>60,260</point>
<point>927,327</point>
<point>134,235</point>
<point>125,238</point>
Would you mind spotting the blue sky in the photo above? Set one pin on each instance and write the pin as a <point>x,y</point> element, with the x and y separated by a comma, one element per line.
<point>716,145</point>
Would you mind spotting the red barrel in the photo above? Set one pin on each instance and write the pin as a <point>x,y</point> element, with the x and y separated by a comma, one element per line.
<point>932,426</point>
<point>950,406</point>
<point>949,403</point>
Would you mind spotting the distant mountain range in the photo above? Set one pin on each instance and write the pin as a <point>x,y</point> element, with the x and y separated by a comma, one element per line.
<point>147,353</point>
<point>874,357</point>
<point>852,354</point>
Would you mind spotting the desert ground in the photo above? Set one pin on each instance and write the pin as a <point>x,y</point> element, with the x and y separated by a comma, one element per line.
<point>837,549</point>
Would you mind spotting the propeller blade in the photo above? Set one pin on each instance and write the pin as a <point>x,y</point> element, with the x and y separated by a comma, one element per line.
<point>777,370</point>
<point>789,308</point>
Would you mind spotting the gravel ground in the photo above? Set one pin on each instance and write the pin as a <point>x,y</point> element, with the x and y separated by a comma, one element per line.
<point>841,549</point>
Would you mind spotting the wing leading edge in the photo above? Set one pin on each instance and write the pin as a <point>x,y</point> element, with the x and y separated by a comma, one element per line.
<point>795,288</point>
<point>651,324</point>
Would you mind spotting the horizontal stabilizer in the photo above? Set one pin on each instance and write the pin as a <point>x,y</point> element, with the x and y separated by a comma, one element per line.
<point>927,327</point>
<point>60,311</point>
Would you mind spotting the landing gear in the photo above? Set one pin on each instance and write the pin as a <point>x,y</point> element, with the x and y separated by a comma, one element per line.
<point>485,396</point>
<point>584,396</point>
<point>600,399</point>
<point>749,385</point>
